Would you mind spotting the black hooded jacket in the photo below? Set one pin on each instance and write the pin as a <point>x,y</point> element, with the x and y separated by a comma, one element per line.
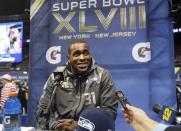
<point>74,94</point>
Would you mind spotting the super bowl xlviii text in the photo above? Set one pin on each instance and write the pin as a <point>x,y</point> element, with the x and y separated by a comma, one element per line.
<point>131,15</point>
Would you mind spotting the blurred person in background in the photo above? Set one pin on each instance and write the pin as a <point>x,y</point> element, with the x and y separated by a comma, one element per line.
<point>8,87</point>
<point>21,95</point>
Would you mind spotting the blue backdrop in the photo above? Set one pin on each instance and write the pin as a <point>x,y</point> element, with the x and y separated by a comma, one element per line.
<point>132,39</point>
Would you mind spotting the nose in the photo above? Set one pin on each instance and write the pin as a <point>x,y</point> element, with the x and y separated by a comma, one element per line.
<point>82,57</point>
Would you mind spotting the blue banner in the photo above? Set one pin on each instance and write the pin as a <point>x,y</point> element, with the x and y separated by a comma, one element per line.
<point>131,38</point>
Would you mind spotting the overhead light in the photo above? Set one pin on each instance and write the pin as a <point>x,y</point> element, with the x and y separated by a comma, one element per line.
<point>25,72</point>
<point>28,40</point>
<point>177,30</point>
<point>18,68</point>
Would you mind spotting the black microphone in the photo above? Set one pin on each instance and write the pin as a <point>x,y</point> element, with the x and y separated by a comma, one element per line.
<point>122,99</point>
<point>167,114</point>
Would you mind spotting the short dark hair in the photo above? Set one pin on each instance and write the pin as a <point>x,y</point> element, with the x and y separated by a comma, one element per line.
<point>17,82</point>
<point>76,41</point>
<point>16,26</point>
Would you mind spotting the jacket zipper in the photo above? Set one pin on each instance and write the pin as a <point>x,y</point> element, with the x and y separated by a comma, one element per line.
<point>79,88</point>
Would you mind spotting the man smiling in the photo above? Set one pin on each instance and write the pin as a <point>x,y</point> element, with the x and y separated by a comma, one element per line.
<point>79,58</point>
<point>83,85</point>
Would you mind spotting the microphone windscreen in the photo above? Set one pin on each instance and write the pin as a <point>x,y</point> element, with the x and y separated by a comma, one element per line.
<point>157,108</point>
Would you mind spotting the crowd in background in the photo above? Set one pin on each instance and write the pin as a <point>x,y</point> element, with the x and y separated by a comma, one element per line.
<point>9,85</point>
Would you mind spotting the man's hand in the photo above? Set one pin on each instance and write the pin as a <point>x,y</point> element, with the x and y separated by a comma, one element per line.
<point>138,119</point>
<point>66,125</point>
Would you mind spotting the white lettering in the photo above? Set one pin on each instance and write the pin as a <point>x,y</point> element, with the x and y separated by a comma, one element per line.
<point>7,119</point>
<point>92,3</point>
<point>140,1</point>
<point>64,8</point>
<point>127,1</point>
<point>56,7</point>
<point>106,3</point>
<point>84,4</point>
<point>89,98</point>
<point>73,5</point>
<point>117,3</point>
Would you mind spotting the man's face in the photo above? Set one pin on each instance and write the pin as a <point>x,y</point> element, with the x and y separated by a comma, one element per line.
<point>13,34</point>
<point>79,58</point>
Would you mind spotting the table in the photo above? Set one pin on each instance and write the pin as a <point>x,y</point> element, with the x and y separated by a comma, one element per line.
<point>22,128</point>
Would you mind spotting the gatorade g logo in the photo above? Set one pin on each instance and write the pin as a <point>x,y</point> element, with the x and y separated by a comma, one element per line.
<point>141,52</point>
<point>53,55</point>
<point>7,119</point>
<point>167,114</point>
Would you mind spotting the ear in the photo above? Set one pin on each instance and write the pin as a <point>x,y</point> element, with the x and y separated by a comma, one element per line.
<point>68,58</point>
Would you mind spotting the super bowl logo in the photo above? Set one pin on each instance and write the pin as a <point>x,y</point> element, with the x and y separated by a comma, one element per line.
<point>53,55</point>
<point>141,52</point>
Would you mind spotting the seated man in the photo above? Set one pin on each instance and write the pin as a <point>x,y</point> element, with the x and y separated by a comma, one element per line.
<point>82,84</point>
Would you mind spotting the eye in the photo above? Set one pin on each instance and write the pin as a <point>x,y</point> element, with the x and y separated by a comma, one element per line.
<point>86,53</point>
<point>76,54</point>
